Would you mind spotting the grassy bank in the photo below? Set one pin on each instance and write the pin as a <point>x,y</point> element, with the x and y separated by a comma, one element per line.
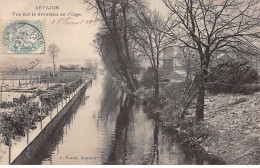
<point>230,132</point>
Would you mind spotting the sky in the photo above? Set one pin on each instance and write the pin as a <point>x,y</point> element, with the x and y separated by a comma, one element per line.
<point>74,41</point>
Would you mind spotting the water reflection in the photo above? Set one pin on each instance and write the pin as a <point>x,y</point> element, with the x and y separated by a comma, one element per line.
<point>117,154</point>
<point>155,150</point>
<point>110,127</point>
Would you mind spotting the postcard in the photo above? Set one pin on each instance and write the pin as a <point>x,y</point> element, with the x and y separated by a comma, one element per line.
<point>129,82</point>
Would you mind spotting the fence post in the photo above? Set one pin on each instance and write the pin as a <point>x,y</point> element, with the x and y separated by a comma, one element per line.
<point>28,136</point>
<point>26,80</point>
<point>41,117</point>
<point>3,77</point>
<point>28,129</point>
<point>48,83</point>
<point>1,94</point>
<point>13,77</point>
<point>10,146</point>
<point>57,108</point>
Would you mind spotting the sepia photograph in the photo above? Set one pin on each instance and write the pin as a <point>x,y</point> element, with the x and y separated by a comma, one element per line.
<point>129,82</point>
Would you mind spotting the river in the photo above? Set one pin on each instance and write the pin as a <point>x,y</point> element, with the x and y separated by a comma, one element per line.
<point>109,127</point>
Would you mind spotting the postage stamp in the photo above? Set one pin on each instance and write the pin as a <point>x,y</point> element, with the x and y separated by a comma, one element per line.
<point>23,37</point>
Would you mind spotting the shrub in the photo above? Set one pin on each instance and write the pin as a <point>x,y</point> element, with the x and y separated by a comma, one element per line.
<point>6,104</point>
<point>21,100</point>
<point>38,92</point>
<point>248,88</point>
<point>230,77</point>
<point>16,101</point>
<point>174,90</point>
<point>171,115</point>
<point>52,97</point>
<point>17,122</point>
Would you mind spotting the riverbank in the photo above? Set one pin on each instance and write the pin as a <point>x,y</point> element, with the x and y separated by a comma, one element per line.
<point>230,132</point>
<point>234,124</point>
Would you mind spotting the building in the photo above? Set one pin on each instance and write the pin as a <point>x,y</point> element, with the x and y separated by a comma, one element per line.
<point>71,73</point>
<point>172,68</point>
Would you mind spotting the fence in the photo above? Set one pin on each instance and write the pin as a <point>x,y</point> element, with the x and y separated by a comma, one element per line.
<point>45,124</point>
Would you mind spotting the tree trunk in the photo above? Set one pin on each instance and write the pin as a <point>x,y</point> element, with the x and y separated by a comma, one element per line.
<point>122,62</point>
<point>200,100</point>
<point>156,83</point>
<point>202,89</point>
<point>53,61</point>
<point>130,81</point>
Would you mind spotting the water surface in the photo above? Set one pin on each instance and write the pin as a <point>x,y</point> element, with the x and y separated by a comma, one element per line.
<point>109,127</point>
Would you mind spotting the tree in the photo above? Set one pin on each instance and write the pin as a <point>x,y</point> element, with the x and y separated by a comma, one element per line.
<point>210,27</point>
<point>116,16</point>
<point>53,51</point>
<point>107,52</point>
<point>151,41</point>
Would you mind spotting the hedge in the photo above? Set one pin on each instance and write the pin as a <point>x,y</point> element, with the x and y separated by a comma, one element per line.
<point>230,77</point>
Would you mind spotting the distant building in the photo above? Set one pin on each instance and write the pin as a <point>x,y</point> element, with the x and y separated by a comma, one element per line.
<point>172,67</point>
<point>70,73</point>
<point>69,68</point>
<point>167,66</point>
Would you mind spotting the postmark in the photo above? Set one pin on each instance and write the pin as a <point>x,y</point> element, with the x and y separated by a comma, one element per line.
<point>23,37</point>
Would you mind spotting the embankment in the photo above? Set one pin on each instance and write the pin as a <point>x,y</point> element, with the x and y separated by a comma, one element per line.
<point>230,132</point>
<point>33,148</point>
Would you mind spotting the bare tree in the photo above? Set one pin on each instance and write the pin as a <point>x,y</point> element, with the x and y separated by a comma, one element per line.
<point>189,62</point>
<point>210,26</point>
<point>53,51</point>
<point>151,41</point>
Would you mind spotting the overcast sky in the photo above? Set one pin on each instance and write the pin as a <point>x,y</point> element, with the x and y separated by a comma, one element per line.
<point>74,41</point>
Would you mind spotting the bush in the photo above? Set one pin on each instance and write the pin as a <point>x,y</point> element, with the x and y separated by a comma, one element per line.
<point>230,77</point>
<point>171,115</point>
<point>38,92</point>
<point>19,121</point>
<point>248,88</point>
<point>174,90</point>
<point>6,104</point>
<point>21,100</point>
<point>52,97</point>
<point>16,101</point>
